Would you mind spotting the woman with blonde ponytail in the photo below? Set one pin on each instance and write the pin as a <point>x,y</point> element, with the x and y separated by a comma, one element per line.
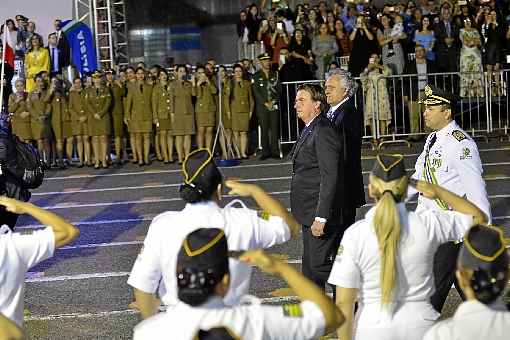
<point>385,260</point>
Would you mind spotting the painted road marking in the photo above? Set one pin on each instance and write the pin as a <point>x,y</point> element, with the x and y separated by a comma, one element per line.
<point>175,199</point>
<point>155,171</point>
<point>146,186</point>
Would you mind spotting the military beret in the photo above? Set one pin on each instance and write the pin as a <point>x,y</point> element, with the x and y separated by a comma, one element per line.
<point>482,247</point>
<point>389,167</point>
<point>198,167</point>
<point>97,74</point>
<point>436,96</point>
<point>203,249</point>
<point>264,56</point>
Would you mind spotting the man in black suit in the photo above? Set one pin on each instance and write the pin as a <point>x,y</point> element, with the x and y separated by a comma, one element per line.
<point>315,162</point>
<point>414,87</point>
<point>447,43</point>
<point>348,122</point>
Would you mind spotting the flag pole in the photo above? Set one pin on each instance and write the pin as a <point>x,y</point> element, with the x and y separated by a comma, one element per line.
<point>4,45</point>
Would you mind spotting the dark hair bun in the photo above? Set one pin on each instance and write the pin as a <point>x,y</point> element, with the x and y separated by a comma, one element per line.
<point>191,193</point>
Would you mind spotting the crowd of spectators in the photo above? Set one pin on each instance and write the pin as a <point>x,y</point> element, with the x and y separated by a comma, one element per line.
<point>465,36</point>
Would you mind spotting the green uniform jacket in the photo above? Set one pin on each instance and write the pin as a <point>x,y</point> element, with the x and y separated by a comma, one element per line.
<point>40,112</point>
<point>98,100</point>
<point>241,98</point>
<point>138,103</point>
<point>117,105</point>
<point>205,98</point>
<point>183,91</point>
<point>77,109</point>
<point>265,89</point>
<point>162,101</point>
<point>20,126</point>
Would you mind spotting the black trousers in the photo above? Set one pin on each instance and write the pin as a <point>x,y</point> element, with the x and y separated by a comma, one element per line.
<point>269,121</point>
<point>445,264</point>
<point>319,252</point>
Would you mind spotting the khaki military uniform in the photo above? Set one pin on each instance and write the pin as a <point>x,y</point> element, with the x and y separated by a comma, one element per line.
<point>139,108</point>
<point>98,100</point>
<point>40,112</point>
<point>117,109</point>
<point>205,107</point>
<point>265,89</point>
<point>60,116</point>
<point>241,105</point>
<point>184,123</point>
<point>20,126</point>
<point>162,105</point>
<point>225,105</point>
<point>77,109</point>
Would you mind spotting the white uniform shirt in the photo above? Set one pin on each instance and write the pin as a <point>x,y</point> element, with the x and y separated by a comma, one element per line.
<point>17,254</point>
<point>243,228</point>
<point>357,265</point>
<point>472,321</point>
<point>253,322</point>
<point>454,163</point>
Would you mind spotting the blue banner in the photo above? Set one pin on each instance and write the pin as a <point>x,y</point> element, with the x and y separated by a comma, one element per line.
<point>81,41</point>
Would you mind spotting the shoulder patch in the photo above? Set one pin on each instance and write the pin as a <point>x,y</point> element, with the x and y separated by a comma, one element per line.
<point>458,135</point>
<point>263,215</point>
<point>466,154</point>
<point>340,250</point>
<point>292,310</point>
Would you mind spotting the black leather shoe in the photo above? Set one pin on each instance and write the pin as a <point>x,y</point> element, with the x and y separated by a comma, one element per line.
<point>264,157</point>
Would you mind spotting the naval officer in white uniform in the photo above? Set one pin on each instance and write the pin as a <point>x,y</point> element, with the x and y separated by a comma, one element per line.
<point>385,260</point>
<point>450,159</point>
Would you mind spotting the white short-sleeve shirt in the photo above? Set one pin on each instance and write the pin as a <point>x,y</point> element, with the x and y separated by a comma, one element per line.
<point>18,253</point>
<point>243,227</point>
<point>357,264</point>
<point>253,322</point>
<point>472,321</point>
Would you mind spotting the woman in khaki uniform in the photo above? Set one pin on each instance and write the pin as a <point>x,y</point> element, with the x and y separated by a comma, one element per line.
<point>117,90</point>
<point>241,109</point>
<point>138,115</point>
<point>20,114</point>
<point>97,103</point>
<point>40,112</point>
<point>162,109</point>
<point>79,117</point>
<point>183,126</point>
<point>205,108</point>
<point>226,135</point>
<point>130,80</point>
<point>60,121</point>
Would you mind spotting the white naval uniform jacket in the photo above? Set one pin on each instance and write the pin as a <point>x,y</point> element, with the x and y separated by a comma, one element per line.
<point>452,162</point>
<point>244,229</point>
<point>473,320</point>
<point>358,265</point>
<point>247,321</point>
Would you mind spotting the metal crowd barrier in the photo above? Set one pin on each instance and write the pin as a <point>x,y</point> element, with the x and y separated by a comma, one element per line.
<point>482,105</point>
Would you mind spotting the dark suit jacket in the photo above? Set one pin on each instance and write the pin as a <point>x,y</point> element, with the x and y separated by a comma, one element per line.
<point>315,161</point>
<point>410,84</point>
<point>440,33</point>
<point>348,122</point>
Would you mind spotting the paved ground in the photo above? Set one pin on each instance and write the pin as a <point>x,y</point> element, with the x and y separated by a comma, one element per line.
<point>82,292</point>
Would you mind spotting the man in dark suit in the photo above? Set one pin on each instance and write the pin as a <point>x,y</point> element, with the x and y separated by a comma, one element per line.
<point>348,122</point>
<point>414,87</point>
<point>315,162</point>
<point>447,43</point>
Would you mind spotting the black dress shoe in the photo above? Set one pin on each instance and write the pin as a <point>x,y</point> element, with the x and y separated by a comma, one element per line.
<point>264,157</point>
<point>275,156</point>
